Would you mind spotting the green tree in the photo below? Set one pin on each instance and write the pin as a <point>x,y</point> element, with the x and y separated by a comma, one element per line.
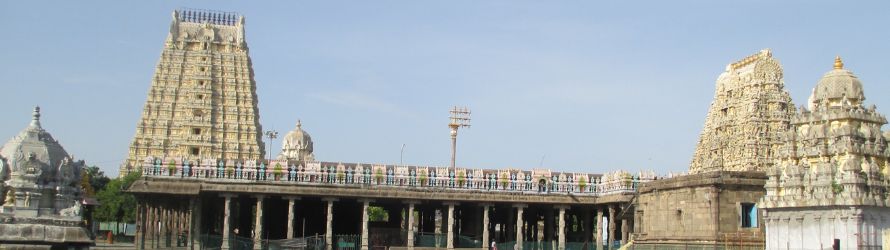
<point>377,214</point>
<point>85,185</point>
<point>97,178</point>
<point>115,203</point>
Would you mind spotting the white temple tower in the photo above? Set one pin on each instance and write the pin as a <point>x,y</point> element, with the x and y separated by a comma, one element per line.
<point>750,110</point>
<point>202,102</point>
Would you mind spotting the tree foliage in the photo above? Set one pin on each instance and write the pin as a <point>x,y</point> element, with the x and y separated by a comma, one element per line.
<point>377,214</point>
<point>88,190</point>
<point>96,178</point>
<point>115,204</point>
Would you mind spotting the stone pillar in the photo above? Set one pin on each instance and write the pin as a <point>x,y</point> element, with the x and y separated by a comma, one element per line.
<point>519,224</point>
<point>598,229</point>
<point>291,201</point>
<point>624,232</point>
<point>227,210</point>
<point>165,216</point>
<point>329,232</point>
<point>587,226</point>
<point>410,227</point>
<point>485,234</point>
<point>146,238</point>
<point>611,225</point>
<point>140,226</point>
<point>258,224</point>
<point>561,228</point>
<point>364,239</point>
<point>195,225</point>
<point>150,225</point>
<point>449,242</point>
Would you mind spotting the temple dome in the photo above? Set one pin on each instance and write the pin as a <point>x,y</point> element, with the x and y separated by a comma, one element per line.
<point>837,87</point>
<point>297,145</point>
<point>298,136</point>
<point>34,151</point>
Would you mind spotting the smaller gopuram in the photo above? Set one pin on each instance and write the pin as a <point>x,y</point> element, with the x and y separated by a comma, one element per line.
<point>829,183</point>
<point>41,194</point>
<point>751,108</point>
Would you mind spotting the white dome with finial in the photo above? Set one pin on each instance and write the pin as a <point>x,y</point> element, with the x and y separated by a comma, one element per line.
<point>34,150</point>
<point>297,145</point>
<point>838,87</point>
<point>34,164</point>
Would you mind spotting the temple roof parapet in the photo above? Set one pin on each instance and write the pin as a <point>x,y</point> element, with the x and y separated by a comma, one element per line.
<point>363,174</point>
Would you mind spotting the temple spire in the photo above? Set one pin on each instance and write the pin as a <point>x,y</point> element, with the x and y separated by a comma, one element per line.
<point>838,63</point>
<point>35,120</point>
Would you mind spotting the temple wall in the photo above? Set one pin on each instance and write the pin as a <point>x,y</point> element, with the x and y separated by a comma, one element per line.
<point>682,209</point>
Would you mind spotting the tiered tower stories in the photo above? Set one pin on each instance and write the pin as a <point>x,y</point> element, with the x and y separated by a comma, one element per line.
<point>202,101</point>
<point>830,179</point>
<point>750,110</point>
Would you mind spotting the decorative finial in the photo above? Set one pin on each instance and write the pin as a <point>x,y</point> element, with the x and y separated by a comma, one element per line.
<point>299,124</point>
<point>35,119</point>
<point>838,64</point>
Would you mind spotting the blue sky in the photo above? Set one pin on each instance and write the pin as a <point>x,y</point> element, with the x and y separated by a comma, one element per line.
<point>587,86</point>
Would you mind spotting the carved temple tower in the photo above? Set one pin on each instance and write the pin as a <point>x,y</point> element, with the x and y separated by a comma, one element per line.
<point>202,102</point>
<point>750,110</point>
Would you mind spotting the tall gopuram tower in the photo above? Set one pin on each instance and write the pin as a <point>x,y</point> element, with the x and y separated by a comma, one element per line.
<point>750,110</point>
<point>202,102</point>
<point>830,182</point>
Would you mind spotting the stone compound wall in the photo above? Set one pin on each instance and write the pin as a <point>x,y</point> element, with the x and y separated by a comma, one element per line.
<point>681,210</point>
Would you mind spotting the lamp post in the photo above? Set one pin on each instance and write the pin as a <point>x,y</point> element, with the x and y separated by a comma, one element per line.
<point>460,117</point>
<point>272,134</point>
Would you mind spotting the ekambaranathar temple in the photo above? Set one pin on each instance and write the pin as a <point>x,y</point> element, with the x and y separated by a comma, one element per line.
<point>764,174</point>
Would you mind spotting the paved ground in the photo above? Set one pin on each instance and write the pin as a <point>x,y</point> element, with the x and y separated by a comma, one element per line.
<point>105,245</point>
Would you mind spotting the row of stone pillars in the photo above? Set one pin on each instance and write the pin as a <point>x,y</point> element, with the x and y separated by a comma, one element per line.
<point>167,224</point>
<point>449,224</point>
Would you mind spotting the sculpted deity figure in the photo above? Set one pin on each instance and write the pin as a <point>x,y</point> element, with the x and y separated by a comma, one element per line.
<point>10,198</point>
<point>74,210</point>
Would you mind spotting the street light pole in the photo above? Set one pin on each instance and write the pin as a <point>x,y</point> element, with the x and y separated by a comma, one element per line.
<point>272,134</point>
<point>460,117</point>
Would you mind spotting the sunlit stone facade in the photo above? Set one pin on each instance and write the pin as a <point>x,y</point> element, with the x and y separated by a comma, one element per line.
<point>750,110</point>
<point>202,101</point>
